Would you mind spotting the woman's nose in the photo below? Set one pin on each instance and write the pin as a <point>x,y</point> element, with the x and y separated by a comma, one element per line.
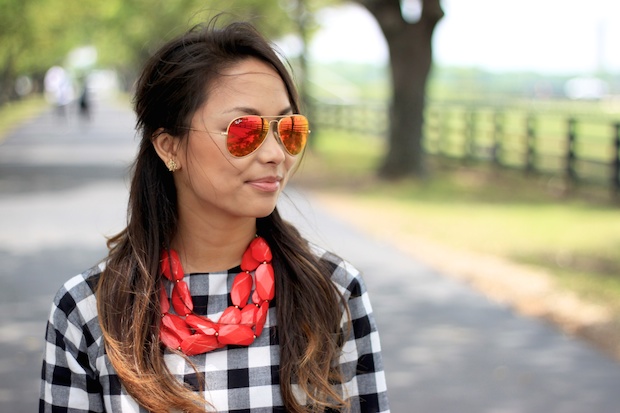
<point>273,149</point>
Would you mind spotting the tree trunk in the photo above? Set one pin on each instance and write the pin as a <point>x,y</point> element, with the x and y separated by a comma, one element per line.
<point>7,81</point>
<point>410,50</point>
<point>301,18</point>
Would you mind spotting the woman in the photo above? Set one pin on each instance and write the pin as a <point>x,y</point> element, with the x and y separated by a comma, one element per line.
<point>208,300</point>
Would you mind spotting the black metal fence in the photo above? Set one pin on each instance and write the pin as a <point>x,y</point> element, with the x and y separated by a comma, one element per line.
<point>583,148</point>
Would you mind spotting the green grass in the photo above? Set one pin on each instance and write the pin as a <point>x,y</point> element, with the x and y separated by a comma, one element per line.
<point>13,114</point>
<point>477,208</point>
<point>335,156</point>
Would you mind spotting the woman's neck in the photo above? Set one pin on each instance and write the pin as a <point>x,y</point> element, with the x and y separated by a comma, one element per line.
<point>208,247</point>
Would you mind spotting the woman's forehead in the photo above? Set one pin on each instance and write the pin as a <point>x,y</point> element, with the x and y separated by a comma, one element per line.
<point>250,82</point>
<point>249,71</point>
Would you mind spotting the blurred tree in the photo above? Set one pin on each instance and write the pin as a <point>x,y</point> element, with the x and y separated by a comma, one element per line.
<point>13,25</point>
<point>128,31</point>
<point>303,21</point>
<point>36,34</point>
<point>409,44</point>
<point>14,37</point>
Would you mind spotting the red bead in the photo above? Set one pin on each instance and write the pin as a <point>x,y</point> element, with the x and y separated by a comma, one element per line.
<point>265,282</point>
<point>231,315</point>
<point>255,298</point>
<point>175,323</point>
<point>182,299</point>
<point>164,303</point>
<point>175,326</point>
<point>248,262</point>
<point>170,265</point>
<point>261,317</point>
<point>164,264</point>
<point>201,324</point>
<point>248,315</point>
<point>169,338</point>
<point>260,250</point>
<point>241,289</point>
<point>238,335</point>
<point>198,344</point>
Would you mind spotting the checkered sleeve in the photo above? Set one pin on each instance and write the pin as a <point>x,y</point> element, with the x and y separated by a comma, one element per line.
<point>69,382</point>
<point>362,366</point>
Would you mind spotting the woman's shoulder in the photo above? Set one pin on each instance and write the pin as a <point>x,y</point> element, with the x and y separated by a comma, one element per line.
<point>75,300</point>
<point>344,274</point>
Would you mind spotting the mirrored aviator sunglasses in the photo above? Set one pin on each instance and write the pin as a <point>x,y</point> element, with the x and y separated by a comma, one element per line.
<point>245,134</point>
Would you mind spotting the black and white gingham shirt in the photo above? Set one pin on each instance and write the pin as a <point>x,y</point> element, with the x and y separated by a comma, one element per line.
<point>77,375</point>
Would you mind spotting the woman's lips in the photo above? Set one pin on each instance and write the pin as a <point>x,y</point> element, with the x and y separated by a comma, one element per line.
<point>268,184</point>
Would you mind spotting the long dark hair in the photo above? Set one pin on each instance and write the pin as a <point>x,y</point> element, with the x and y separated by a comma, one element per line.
<point>173,85</point>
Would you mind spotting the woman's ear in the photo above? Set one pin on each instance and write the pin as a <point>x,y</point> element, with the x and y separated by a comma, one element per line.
<point>166,147</point>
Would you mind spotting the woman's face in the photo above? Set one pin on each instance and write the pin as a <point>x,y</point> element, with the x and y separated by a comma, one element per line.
<point>212,182</point>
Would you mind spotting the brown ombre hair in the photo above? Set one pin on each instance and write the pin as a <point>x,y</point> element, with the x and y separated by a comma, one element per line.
<point>173,85</point>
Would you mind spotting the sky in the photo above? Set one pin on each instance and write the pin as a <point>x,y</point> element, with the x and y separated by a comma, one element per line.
<point>546,36</point>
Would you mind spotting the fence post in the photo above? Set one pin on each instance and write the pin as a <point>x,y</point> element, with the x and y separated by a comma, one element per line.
<point>442,139</point>
<point>530,144</point>
<point>431,134</point>
<point>615,180</point>
<point>498,135</point>
<point>470,135</point>
<point>571,174</point>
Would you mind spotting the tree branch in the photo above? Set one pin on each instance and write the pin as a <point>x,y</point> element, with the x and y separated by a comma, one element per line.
<point>431,11</point>
<point>386,12</point>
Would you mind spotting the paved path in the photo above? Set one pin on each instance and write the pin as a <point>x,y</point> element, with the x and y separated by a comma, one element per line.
<point>446,348</point>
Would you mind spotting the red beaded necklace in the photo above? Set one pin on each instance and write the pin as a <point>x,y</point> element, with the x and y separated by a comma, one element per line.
<point>239,324</point>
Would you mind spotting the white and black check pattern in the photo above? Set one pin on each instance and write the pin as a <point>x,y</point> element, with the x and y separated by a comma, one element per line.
<point>78,377</point>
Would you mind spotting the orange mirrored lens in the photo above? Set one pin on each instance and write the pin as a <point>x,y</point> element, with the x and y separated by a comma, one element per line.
<point>245,134</point>
<point>293,131</point>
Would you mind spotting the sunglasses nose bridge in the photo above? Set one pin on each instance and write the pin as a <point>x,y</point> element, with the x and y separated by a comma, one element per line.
<point>276,132</point>
<point>269,122</point>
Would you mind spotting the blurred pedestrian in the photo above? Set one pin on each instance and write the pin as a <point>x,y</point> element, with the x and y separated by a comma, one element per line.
<point>84,100</point>
<point>58,89</point>
<point>208,299</point>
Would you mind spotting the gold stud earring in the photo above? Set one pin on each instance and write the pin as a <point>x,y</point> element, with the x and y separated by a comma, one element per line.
<point>172,165</point>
